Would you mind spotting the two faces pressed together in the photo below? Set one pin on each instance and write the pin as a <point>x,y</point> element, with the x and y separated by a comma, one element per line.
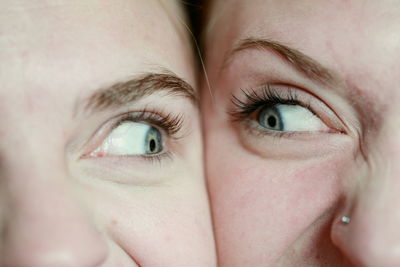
<point>101,147</point>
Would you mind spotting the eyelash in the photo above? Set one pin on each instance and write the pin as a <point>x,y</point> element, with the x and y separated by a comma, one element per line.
<point>169,123</point>
<point>267,97</point>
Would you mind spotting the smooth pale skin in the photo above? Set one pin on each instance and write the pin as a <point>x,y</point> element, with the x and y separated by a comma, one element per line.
<point>279,201</point>
<point>59,208</point>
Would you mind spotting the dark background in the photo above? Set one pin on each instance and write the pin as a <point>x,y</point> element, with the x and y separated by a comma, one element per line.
<point>195,10</point>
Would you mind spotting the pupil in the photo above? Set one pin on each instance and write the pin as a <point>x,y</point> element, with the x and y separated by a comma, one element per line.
<point>152,145</point>
<point>272,121</point>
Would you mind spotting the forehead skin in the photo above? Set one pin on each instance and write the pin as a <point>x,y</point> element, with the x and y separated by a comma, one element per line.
<point>76,45</point>
<point>360,42</point>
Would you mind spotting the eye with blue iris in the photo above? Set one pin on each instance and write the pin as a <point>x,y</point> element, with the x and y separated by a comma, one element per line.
<point>270,118</point>
<point>153,141</point>
<point>142,134</point>
<point>132,138</point>
<point>276,111</point>
<point>289,118</point>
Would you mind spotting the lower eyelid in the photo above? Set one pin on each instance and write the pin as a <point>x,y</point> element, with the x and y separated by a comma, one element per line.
<point>137,170</point>
<point>157,158</point>
<point>257,131</point>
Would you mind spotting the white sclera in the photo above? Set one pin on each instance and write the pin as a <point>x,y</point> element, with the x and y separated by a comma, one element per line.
<point>296,118</point>
<point>129,138</point>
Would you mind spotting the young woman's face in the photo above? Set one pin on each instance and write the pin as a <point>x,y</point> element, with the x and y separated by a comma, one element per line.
<point>100,146</point>
<point>302,128</point>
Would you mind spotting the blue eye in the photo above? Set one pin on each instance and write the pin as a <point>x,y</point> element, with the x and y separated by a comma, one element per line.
<point>270,118</point>
<point>289,118</point>
<point>153,141</point>
<point>132,138</point>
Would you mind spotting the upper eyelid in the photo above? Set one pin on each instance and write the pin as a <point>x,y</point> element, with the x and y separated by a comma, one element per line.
<point>268,95</point>
<point>170,123</point>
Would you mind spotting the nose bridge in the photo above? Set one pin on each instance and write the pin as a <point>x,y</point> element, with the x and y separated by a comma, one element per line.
<point>43,224</point>
<point>372,237</point>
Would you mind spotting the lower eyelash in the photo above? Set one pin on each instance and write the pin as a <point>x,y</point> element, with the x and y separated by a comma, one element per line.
<point>258,131</point>
<point>157,158</point>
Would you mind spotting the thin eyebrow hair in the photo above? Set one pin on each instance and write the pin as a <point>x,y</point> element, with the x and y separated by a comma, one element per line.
<point>301,62</point>
<point>122,93</point>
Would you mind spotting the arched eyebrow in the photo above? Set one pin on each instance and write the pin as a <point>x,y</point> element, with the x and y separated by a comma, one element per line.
<point>301,62</point>
<point>123,93</point>
<point>370,111</point>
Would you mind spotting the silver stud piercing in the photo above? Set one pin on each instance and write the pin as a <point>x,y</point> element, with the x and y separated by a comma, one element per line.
<point>346,219</point>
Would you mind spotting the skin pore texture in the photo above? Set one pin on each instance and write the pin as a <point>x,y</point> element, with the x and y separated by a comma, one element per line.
<point>79,81</point>
<point>278,196</point>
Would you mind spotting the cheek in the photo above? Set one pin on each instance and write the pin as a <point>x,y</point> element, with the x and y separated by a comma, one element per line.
<point>165,234</point>
<point>165,225</point>
<point>265,203</point>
